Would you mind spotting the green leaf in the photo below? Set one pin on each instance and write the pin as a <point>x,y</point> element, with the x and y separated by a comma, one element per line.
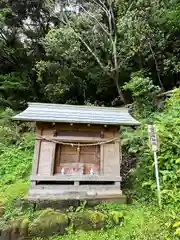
<point>177,232</point>
<point>176,224</point>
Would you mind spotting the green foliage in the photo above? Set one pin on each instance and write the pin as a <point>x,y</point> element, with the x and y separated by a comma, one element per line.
<point>45,59</point>
<point>116,217</point>
<point>12,132</point>
<point>168,127</point>
<point>14,191</point>
<point>62,43</point>
<point>176,226</point>
<point>15,160</point>
<point>16,152</point>
<point>143,93</point>
<point>106,207</point>
<point>15,169</point>
<point>15,164</point>
<point>13,86</point>
<point>81,207</point>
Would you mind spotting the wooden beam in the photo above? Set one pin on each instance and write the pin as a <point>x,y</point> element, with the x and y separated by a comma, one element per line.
<point>36,157</point>
<point>58,177</point>
<point>53,159</point>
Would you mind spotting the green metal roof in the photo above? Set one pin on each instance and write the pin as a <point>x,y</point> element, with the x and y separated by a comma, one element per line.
<point>63,113</point>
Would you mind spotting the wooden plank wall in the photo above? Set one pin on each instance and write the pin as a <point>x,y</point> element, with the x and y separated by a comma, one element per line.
<point>44,155</point>
<point>112,158</point>
<point>44,151</point>
<point>46,158</point>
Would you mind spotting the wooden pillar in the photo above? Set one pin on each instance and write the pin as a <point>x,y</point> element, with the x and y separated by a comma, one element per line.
<point>112,158</point>
<point>44,151</point>
<point>37,147</point>
<point>46,158</point>
<point>36,157</point>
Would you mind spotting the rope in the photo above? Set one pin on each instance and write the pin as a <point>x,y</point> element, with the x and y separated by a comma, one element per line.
<point>77,144</point>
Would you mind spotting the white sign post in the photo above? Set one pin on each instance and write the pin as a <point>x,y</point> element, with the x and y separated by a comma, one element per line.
<point>154,145</point>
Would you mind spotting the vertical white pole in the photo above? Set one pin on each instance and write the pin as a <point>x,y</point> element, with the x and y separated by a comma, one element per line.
<point>157,179</point>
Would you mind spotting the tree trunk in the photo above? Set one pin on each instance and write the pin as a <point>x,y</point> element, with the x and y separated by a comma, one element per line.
<point>116,75</point>
<point>121,95</point>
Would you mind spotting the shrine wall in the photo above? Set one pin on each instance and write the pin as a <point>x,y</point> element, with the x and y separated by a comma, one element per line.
<point>50,157</point>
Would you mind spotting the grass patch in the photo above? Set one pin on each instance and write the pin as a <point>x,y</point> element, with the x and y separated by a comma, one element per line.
<point>15,162</point>
<point>14,191</point>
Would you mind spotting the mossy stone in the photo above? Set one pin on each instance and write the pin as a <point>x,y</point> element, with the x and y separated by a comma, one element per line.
<point>116,217</point>
<point>15,226</point>
<point>88,220</point>
<point>15,229</point>
<point>5,230</point>
<point>48,223</point>
<point>24,226</point>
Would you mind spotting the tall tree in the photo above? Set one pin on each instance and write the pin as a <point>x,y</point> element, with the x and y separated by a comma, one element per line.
<point>84,51</point>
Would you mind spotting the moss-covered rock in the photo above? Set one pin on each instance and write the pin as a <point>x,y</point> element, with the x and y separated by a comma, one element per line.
<point>24,227</point>
<point>15,229</point>
<point>5,230</point>
<point>116,217</point>
<point>48,223</point>
<point>88,220</point>
<point>19,228</point>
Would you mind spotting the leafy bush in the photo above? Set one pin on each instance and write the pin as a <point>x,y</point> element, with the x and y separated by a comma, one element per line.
<point>16,148</point>
<point>143,93</point>
<point>136,142</point>
<point>16,153</point>
<point>15,164</point>
<point>12,132</point>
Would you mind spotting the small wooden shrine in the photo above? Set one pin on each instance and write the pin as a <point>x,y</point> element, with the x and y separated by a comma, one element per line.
<point>77,151</point>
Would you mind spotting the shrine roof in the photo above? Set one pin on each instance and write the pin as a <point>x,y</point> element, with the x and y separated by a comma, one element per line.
<point>63,113</point>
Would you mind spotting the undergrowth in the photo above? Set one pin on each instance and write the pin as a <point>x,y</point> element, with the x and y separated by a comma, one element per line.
<point>16,153</point>
<point>137,144</point>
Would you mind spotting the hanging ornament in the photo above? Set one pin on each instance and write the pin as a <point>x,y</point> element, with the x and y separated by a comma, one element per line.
<point>91,172</point>
<point>78,148</point>
<point>62,171</point>
<point>102,134</point>
<point>82,172</point>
